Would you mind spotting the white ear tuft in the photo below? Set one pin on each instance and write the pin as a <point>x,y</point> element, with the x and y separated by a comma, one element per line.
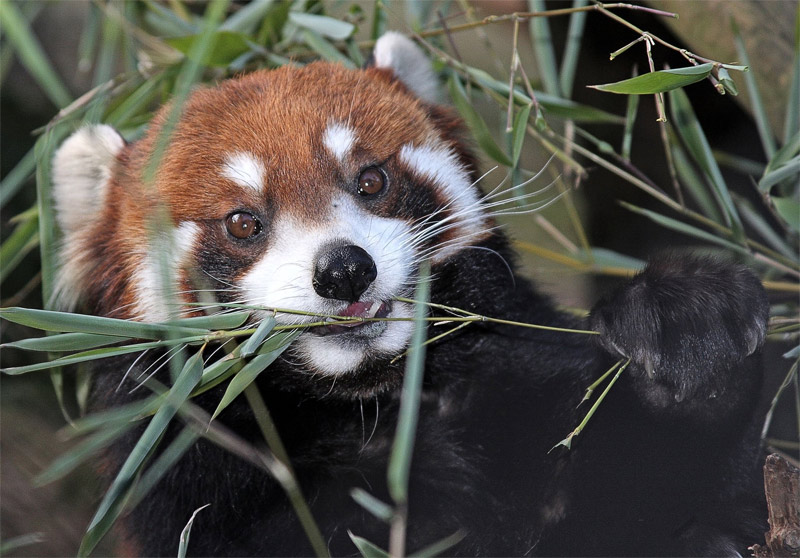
<point>398,53</point>
<point>81,170</point>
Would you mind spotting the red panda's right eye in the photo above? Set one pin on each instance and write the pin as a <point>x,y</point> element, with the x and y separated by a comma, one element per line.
<point>242,225</point>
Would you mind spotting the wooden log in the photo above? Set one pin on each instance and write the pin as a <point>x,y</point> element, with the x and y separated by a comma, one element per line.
<point>782,487</point>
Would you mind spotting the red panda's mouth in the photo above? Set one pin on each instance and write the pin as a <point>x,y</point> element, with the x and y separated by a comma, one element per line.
<point>364,309</point>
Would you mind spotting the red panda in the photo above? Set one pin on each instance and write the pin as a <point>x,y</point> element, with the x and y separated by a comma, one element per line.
<point>323,189</point>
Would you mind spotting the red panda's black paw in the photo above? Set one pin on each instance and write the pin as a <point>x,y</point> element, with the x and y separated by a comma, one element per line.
<point>686,323</point>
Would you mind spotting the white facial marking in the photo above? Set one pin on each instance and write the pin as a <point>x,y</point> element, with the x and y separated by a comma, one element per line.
<point>339,140</point>
<point>283,279</point>
<point>168,250</point>
<point>440,165</point>
<point>245,170</point>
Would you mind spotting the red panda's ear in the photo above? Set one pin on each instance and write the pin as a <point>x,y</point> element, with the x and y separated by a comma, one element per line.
<point>81,170</point>
<point>398,53</point>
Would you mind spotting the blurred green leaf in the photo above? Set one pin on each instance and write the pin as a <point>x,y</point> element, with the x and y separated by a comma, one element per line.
<point>439,547</point>
<point>475,122</point>
<point>16,178</point>
<point>81,453</point>
<point>114,499</point>
<point>543,48</point>
<point>366,548</point>
<point>569,61</point>
<point>325,49</point>
<point>31,54</point>
<point>10,545</point>
<point>754,218</point>
<point>519,131</point>
<point>24,239</point>
<point>684,228</point>
<point>403,445</point>
<point>373,505</point>
<point>757,104</point>
<point>228,46</point>
<point>323,25</point>
<point>163,463</point>
<point>696,143</point>
<point>658,82</point>
<point>248,18</point>
<point>792,119</point>
<point>789,210</point>
<point>788,170</point>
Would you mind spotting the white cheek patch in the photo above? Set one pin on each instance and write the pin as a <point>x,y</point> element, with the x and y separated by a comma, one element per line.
<point>245,170</point>
<point>339,139</point>
<point>283,279</point>
<point>440,165</point>
<point>156,302</point>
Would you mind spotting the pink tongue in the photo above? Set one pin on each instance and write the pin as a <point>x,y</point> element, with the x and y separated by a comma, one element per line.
<point>357,309</point>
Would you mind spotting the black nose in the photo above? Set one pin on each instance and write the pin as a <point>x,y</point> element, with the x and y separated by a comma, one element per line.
<point>344,273</point>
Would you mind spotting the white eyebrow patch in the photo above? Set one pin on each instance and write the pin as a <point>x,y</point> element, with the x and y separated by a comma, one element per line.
<point>339,139</point>
<point>245,170</point>
<point>440,165</point>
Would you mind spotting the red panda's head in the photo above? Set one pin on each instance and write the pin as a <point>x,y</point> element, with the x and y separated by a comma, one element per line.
<point>317,189</point>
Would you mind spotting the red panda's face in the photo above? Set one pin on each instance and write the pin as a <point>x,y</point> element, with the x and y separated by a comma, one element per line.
<point>316,189</point>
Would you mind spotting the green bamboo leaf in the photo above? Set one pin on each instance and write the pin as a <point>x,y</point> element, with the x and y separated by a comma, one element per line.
<point>569,61</point>
<point>366,548</point>
<point>63,342</point>
<point>759,111</point>
<point>403,445</point>
<point>323,25</point>
<point>24,239</point>
<point>229,45</point>
<point>792,119</point>
<point>140,99</point>
<point>31,54</point>
<point>554,105</point>
<point>608,258</point>
<point>163,463</point>
<point>183,546</point>
<point>10,545</point>
<point>630,120</point>
<point>441,546</point>
<point>658,82</point>
<point>325,48</point>
<point>81,453</point>
<point>694,184</point>
<point>543,48</point>
<point>115,415</point>
<point>165,22</point>
<point>690,230</point>
<point>475,122</point>
<point>373,505</point>
<point>223,321</point>
<point>96,354</point>
<point>754,218</point>
<point>789,210</point>
<point>254,341</point>
<point>788,151</point>
<point>789,169</point>
<point>50,320</point>
<point>379,19</point>
<point>219,368</point>
<point>114,499</point>
<point>248,18</point>
<point>17,177</point>
<point>518,131</point>
<point>696,143</point>
<point>275,345</point>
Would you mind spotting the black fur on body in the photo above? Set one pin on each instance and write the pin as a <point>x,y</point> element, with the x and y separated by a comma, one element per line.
<point>669,465</point>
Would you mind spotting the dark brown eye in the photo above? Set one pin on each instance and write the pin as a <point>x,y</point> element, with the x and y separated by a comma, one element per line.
<point>242,225</point>
<point>370,181</point>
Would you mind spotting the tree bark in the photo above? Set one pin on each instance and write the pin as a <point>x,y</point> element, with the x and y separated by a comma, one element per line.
<point>782,486</point>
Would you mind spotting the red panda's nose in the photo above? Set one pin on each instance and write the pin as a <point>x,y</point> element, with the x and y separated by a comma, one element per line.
<point>343,273</point>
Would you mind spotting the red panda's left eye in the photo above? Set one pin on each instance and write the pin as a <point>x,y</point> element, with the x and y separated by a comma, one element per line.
<point>242,225</point>
<point>370,181</point>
